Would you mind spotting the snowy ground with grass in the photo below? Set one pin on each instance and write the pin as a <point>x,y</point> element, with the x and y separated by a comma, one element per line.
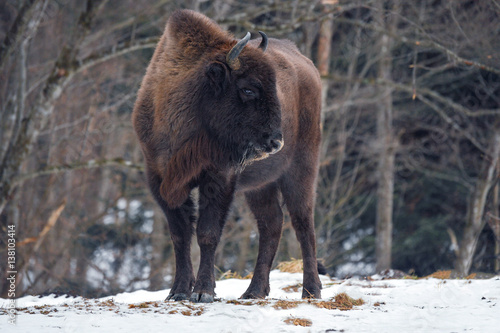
<point>351,305</point>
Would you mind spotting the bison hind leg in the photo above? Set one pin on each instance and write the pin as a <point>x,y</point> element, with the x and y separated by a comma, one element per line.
<point>298,188</point>
<point>265,206</point>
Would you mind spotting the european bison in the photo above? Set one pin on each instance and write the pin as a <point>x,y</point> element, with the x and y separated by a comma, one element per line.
<point>226,116</point>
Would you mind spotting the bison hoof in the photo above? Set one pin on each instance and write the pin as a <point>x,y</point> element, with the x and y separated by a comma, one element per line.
<point>311,293</point>
<point>201,298</point>
<point>250,295</point>
<point>177,297</point>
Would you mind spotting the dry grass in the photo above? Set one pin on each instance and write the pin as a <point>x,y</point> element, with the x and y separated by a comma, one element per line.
<point>284,305</point>
<point>234,275</point>
<point>292,288</point>
<point>298,321</point>
<point>341,301</point>
<point>347,301</point>
<point>439,275</point>
<point>260,302</point>
<point>197,312</point>
<point>110,303</point>
<point>445,275</point>
<point>292,266</point>
<point>143,305</point>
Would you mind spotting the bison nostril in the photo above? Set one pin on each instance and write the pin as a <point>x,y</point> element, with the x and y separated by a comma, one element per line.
<point>272,142</point>
<point>278,137</point>
<point>276,143</point>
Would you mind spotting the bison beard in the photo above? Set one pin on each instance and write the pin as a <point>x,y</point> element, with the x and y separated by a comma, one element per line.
<point>227,116</point>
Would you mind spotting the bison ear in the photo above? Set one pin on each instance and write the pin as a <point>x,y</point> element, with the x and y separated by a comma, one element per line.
<point>218,76</point>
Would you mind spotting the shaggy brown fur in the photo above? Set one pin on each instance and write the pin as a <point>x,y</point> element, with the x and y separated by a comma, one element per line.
<point>204,123</point>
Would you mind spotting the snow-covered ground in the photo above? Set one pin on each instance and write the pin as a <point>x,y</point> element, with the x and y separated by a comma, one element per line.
<point>399,305</point>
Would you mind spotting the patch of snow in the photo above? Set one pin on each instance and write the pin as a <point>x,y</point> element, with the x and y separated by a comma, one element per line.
<point>355,238</point>
<point>109,219</point>
<point>134,207</point>
<point>355,268</point>
<point>149,213</point>
<point>103,258</point>
<point>147,226</point>
<point>398,305</point>
<point>121,203</point>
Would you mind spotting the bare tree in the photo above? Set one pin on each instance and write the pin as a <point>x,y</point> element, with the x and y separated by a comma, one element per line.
<point>386,144</point>
<point>475,219</point>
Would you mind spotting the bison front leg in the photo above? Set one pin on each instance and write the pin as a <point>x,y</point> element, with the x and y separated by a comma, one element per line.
<point>216,195</point>
<point>181,226</point>
<point>266,208</point>
<point>180,222</point>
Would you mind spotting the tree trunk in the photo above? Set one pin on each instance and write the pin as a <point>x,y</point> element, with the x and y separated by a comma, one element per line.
<point>475,222</point>
<point>385,145</point>
<point>324,51</point>
<point>495,224</point>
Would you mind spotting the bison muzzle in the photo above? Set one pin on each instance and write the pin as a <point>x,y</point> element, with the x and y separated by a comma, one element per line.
<point>230,116</point>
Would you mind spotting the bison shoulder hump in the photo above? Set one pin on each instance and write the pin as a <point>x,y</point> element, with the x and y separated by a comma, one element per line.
<point>188,28</point>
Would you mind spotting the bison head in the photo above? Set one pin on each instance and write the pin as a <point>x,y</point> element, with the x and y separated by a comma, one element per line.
<point>239,106</point>
<point>215,102</point>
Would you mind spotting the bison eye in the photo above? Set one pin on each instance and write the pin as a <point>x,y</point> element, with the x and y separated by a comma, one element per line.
<point>248,92</point>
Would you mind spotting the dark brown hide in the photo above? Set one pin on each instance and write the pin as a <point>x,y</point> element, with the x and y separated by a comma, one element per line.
<point>204,123</point>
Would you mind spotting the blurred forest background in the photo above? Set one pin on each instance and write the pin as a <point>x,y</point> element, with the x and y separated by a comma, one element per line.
<point>410,166</point>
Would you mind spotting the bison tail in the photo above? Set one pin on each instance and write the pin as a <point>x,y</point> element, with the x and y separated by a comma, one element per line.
<point>321,269</point>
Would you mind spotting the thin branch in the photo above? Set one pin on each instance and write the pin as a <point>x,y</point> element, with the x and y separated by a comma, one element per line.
<point>446,175</point>
<point>421,97</point>
<point>127,22</point>
<point>422,43</point>
<point>419,92</point>
<point>113,52</point>
<point>450,121</point>
<point>450,103</point>
<point>17,30</point>
<point>291,24</point>
<point>65,125</point>
<point>50,224</point>
<point>78,166</point>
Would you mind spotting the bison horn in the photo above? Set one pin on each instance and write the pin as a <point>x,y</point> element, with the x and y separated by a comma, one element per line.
<point>263,43</point>
<point>232,56</point>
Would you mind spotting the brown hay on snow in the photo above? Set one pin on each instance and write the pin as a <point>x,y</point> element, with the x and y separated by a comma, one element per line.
<point>298,321</point>
<point>292,266</point>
